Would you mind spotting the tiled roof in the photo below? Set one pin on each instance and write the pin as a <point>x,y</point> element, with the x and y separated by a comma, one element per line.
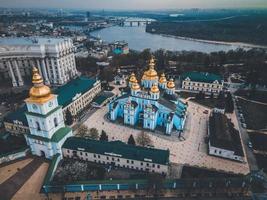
<point>202,77</point>
<point>76,86</point>
<point>117,147</point>
<point>19,115</point>
<point>223,134</point>
<point>102,97</point>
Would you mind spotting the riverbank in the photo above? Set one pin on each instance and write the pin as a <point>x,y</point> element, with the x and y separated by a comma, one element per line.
<point>239,44</point>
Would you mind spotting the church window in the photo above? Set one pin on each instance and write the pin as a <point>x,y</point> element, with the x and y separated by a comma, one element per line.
<point>55,122</point>
<point>38,126</point>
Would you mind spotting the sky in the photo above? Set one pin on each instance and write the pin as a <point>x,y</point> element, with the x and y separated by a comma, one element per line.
<point>134,4</point>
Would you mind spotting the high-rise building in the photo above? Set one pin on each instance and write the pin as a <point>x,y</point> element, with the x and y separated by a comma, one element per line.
<point>45,118</point>
<point>54,58</point>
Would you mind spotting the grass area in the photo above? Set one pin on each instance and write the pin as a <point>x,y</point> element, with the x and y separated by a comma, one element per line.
<point>254,95</point>
<point>79,171</point>
<point>255,114</point>
<point>262,162</point>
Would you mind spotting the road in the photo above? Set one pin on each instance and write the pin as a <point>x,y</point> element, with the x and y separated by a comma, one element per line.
<point>253,166</point>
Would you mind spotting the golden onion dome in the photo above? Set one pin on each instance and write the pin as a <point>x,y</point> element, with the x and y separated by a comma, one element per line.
<point>135,86</point>
<point>151,73</point>
<point>171,84</point>
<point>154,89</point>
<point>162,78</point>
<point>132,78</point>
<point>39,92</point>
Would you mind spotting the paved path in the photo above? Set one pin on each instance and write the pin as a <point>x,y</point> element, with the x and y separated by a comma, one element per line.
<point>9,187</point>
<point>31,189</point>
<point>11,168</point>
<point>192,151</point>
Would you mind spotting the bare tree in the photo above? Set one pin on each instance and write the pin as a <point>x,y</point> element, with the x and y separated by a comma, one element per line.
<point>93,134</point>
<point>143,139</point>
<point>82,131</point>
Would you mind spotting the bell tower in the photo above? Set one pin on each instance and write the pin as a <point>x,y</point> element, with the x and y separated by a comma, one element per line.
<point>45,118</point>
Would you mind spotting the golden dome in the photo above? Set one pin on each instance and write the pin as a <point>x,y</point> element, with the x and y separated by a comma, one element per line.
<point>39,93</point>
<point>171,84</point>
<point>162,78</point>
<point>154,89</point>
<point>135,86</point>
<point>151,73</point>
<point>132,78</point>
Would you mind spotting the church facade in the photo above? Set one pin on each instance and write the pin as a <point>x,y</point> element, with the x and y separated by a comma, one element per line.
<point>153,105</point>
<point>45,119</point>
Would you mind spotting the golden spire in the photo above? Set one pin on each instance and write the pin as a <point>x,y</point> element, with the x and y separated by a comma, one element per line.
<point>151,63</point>
<point>39,93</point>
<point>155,88</point>
<point>171,84</point>
<point>132,78</point>
<point>162,78</point>
<point>151,73</point>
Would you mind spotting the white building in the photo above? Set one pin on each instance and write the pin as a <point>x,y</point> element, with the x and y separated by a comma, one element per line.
<point>224,139</point>
<point>117,153</point>
<point>46,121</point>
<point>202,81</point>
<point>74,96</point>
<point>54,58</point>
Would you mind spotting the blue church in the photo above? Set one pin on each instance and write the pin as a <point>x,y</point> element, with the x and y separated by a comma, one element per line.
<point>153,105</point>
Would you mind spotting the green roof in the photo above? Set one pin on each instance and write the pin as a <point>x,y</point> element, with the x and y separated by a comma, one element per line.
<point>65,95</point>
<point>202,77</point>
<point>58,135</point>
<point>102,97</point>
<point>19,115</point>
<point>76,86</point>
<point>117,147</point>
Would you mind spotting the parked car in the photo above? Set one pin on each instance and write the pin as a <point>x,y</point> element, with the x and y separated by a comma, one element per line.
<point>244,125</point>
<point>250,145</point>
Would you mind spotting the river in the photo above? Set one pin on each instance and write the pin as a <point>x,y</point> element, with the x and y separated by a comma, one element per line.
<point>138,39</point>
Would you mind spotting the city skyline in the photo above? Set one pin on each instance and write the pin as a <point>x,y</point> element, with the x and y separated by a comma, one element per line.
<point>134,4</point>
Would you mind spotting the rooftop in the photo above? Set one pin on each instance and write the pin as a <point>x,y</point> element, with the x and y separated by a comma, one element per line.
<point>65,95</point>
<point>77,86</point>
<point>30,40</point>
<point>202,77</point>
<point>119,148</point>
<point>223,134</point>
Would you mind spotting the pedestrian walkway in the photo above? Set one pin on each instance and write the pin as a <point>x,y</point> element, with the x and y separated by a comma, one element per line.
<point>9,187</point>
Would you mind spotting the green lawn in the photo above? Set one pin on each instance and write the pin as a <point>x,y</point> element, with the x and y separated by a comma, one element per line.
<point>260,96</point>
<point>255,114</point>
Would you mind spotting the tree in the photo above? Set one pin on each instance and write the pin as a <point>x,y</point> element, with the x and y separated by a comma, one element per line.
<point>229,103</point>
<point>143,139</point>
<point>103,136</point>
<point>131,140</point>
<point>93,134</point>
<point>83,130</point>
<point>68,118</point>
<point>155,184</point>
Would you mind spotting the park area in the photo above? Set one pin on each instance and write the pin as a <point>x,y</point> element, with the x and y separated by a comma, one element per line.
<point>255,114</point>
<point>70,171</point>
<point>254,95</point>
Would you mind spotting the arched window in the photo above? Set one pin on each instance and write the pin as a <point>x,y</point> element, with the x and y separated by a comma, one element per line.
<point>38,126</point>
<point>55,122</point>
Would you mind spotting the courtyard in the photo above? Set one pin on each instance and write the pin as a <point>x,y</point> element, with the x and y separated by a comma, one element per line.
<point>189,152</point>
